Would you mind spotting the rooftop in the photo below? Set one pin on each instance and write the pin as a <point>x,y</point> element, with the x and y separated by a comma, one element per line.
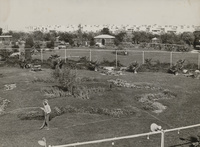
<point>105,36</point>
<point>5,36</point>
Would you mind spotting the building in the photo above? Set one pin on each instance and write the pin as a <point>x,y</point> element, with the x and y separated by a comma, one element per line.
<point>104,39</point>
<point>5,39</point>
<point>155,40</point>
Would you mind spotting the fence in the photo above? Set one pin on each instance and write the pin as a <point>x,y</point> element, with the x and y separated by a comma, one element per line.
<point>119,55</point>
<point>162,143</point>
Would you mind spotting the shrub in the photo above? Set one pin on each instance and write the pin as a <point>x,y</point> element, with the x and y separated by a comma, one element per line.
<point>66,78</point>
<point>110,63</point>
<point>133,67</point>
<point>50,44</point>
<point>43,80</point>
<point>54,92</point>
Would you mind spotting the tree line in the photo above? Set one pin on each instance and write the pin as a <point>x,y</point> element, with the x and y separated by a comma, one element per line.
<point>78,37</point>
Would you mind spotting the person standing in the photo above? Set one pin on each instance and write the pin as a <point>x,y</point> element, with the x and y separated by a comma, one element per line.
<point>47,111</point>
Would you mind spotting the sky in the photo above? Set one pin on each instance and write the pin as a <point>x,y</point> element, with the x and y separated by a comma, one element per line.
<point>21,13</point>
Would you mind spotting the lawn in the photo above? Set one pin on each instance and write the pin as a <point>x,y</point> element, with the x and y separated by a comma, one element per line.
<point>134,55</point>
<point>77,127</point>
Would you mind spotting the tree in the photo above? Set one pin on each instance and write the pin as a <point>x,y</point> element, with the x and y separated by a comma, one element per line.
<point>188,37</point>
<point>1,31</point>
<point>142,37</point>
<point>67,37</point>
<point>105,31</point>
<point>92,42</point>
<point>16,36</point>
<point>80,34</point>
<point>29,42</point>
<point>197,39</point>
<point>119,38</point>
<point>38,35</point>
<point>28,45</point>
<point>171,38</point>
<point>50,44</point>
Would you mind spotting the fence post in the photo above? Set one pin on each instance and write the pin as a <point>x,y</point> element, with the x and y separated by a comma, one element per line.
<point>143,57</point>
<point>171,58</point>
<point>198,60</point>
<point>90,55</point>
<point>41,55</point>
<point>65,55</point>
<point>116,59</point>
<point>162,139</point>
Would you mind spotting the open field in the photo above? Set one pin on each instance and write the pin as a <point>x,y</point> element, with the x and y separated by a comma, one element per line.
<point>133,55</point>
<point>77,127</point>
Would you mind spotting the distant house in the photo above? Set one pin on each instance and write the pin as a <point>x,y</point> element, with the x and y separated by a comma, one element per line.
<point>5,39</point>
<point>104,39</point>
<point>155,40</point>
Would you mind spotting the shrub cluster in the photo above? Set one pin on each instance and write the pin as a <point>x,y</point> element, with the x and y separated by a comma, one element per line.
<point>43,80</point>
<point>115,112</point>
<point>57,111</point>
<point>149,101</point>
<point>54,92</point>
<point>166,47</point>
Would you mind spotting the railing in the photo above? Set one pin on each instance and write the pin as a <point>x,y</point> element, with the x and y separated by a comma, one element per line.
<point>134,55</point>
<point>162,144</point>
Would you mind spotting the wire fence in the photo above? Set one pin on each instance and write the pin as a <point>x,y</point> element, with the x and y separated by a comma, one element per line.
<point>125,57</point>
<point>147,135</point>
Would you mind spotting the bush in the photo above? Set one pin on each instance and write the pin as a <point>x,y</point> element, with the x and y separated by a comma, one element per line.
<point>149,66</point>
<point>15,48</point>
<point>133,67</point>
<point>54,92</point>
<point>28,55</point>
<point>50,44</point>
<point>66,78</point>
<point>110,63</point>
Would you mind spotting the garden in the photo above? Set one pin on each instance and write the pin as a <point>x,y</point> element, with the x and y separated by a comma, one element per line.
<point>94,100</point>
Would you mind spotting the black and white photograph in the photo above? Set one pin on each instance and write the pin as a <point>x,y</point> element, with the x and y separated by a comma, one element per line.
<point>99,73</point>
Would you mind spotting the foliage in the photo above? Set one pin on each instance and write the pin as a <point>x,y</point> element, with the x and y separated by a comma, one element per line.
<point>92,42</point>
<point>29,42</point>
<point>149,101</point>
<point>1,31</point>
<point>28,54</point>
<point>54,92</point>
<point>105,31</point>
<point>133,67</point>
<point>67,37</point>
<point>141,36</point>
<point>177,67</point>
<point>37,36</point>
<point>5,53</point>
<point>66,78</point>
<point>15,48</point>
<point>188,37</point>
<point>50,44</point>
<point>106,62</point>
<point>120,36</point>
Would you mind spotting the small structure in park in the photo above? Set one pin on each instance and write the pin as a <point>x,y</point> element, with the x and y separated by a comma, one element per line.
<point>104,40</point>
<point>155,40</point>
<point>5,39</point>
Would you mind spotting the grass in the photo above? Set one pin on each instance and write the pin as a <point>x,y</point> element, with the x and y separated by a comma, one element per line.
<point>76,127</point>
<point>134,55</point>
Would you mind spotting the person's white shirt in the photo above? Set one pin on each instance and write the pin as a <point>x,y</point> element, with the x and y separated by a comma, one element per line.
<point>46,109</point>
